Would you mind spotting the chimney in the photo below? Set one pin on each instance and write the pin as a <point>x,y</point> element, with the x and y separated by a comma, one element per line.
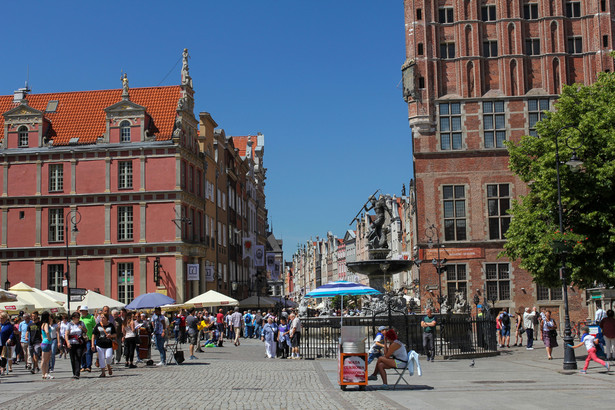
<point>20,95</point>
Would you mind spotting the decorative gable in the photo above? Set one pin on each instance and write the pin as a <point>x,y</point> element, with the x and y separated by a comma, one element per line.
<point>23,126</point>
<point>126,121</point>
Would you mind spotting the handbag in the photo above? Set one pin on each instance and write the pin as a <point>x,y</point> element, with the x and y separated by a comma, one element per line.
<point>521,330</point>
<point>114,344</point>
<point>552,333</point>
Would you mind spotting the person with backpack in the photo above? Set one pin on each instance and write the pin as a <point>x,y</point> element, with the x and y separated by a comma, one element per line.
<point>504,328</point>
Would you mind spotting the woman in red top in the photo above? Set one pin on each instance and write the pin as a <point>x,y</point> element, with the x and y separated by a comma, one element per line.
<point>608,331</point>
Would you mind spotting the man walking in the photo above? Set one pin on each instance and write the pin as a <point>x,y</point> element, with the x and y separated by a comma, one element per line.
<point>159,325</point>
<point>90,322</point>
<point>249,325</point>
<point>193,332</point>
<point>295,336</point>
<point>118,321</point>
<point>258,324</point>
<point>429,328</point>
<point>236,320</point>
<point>505,328</point>
<point>23,329</point>
<point>35,338</point>
<point>528,324</point>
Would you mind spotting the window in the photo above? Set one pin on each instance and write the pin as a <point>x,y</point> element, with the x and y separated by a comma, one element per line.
<point>447,50</point>
<point>56,177</point>
<point>56,225</point>
<point>450,126</point>
<point>22,133</point>
<point>605,41</point>
<point>125,131</point>
<point>498,281</point>
<point>445,15</point>
<point>419,49</point>
<point>419,14</point>
<point>544,293</point>
<point>603,5</point>
<point>530,11</point>
<point>488,13</point>
<point>55,275</point>
<point>494,124</point>
<point>490,48</point>
<point>456,281</point>
<point>532,46</point>
<point>124,175</point>
<point>52,106</point>
<point>125,282</point>
<point>124,223</point>
<point>498,203</point>
<point>573,9</point>
<point>421,82</point>
<point>454,212</point>
<point>575,45</point>
<point>536,110</point>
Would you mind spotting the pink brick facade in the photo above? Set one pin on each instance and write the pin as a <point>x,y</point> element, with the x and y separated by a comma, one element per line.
<point>478,73</point>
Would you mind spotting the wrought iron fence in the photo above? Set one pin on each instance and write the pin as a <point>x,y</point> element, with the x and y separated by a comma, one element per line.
<point>456,334</point>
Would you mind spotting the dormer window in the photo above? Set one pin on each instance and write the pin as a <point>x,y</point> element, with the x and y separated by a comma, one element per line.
<point>23,134</point>
<point>125,131</point>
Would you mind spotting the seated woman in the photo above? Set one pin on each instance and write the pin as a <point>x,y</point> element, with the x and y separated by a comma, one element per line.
<point>395,356</point>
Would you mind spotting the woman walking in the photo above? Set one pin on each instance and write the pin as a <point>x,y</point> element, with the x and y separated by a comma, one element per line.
<point>549,334</point>
<point>75,337</point>
<point>268,336</point>
<point>46,344</point>
<point>519,329</point>
<point>62,331</point>
<point>54,335</point>
<point>6,341</point>
<point>130,340</point>
<point>102,341</point>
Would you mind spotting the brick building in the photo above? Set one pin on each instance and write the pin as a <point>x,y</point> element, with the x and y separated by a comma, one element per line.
<point>478,73</point>
<point>131,171</point>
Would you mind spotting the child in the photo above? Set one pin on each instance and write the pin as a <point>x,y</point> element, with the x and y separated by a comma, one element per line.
<point>375,351</point>
<point>590,344</point>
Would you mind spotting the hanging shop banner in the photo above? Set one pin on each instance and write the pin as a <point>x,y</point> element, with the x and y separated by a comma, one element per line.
<point>193,271</point>
<point>270,259</point>
<point>276,271</point>
<point>247,247</point>
<point>259,255</point>
<point>209,273</point>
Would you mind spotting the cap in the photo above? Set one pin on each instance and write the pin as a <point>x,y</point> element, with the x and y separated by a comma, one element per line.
<point>381,328</point>
<point>480,306</point>
<point>84,307</point>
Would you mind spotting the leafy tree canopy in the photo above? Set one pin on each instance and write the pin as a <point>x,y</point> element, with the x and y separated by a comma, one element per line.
<point>588,197</point>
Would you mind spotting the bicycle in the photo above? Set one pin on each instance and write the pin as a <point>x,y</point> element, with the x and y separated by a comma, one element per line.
<point>575,328</point>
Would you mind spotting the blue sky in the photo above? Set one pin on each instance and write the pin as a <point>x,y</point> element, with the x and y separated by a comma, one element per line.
<point>320,79</point>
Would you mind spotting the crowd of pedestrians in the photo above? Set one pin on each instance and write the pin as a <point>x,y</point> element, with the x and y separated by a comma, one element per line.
<point>109,337</point>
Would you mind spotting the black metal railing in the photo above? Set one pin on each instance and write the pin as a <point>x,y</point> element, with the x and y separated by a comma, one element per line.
<point>456,334</point>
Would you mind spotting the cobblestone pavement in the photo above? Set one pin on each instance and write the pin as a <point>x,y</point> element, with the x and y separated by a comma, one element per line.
<point>221,378</point>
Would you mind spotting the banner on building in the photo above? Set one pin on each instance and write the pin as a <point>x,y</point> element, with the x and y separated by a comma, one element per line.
<point>193,271</point>
<point>276,271</point>
<point>270,261</point>
<point>259,255</point>
<point>209,273</point>
<point>247,247</point>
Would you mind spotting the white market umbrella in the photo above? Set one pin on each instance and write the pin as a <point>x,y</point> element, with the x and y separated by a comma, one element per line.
<point>16,307</point>
<point>37,298</point>
<point>96,301</point>
<point>256,301</point>
<point>57,296</point>
<point>211,298</point>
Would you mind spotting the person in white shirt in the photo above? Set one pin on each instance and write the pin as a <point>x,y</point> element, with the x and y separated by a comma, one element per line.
<point>600,313</point>
<point>528,324</point>
<point>590,343</point>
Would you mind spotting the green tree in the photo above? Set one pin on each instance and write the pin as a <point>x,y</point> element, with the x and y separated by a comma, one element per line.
<point>588,197</point>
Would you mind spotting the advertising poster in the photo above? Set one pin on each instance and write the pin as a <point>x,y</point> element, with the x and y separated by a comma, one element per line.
<point>259,255</point>
<point>193,271</point>
<point>209,273</point>
<point>354,369</point>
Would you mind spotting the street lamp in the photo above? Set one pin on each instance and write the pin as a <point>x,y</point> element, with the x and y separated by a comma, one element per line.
<point>439,264</point>
<point>75,217</point>
<point>7,284</point>
<point>570,362</point>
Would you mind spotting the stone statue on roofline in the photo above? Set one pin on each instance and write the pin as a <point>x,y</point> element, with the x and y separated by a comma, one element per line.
<point>186,79</point>
<point>125,88</point>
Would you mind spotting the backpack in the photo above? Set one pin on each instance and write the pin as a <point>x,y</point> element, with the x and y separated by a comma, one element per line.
<point>505,320</point>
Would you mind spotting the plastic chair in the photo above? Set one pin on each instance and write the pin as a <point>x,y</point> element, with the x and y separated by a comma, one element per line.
<point>408,368</point>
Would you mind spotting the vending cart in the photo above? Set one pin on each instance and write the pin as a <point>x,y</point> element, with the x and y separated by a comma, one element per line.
<point>352,366</point>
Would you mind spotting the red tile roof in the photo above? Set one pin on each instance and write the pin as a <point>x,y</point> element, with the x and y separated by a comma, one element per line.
<point>81,114</point>
<point>241,143</point>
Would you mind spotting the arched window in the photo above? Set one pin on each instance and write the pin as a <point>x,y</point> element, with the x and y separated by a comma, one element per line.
<point>22,132</point>
<point>125,131</point>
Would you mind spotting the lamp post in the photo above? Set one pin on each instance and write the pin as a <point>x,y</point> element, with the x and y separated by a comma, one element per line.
<point>75,217</point>
<point>570,362</point>
<point>439,263</point>
<point>7,284</point>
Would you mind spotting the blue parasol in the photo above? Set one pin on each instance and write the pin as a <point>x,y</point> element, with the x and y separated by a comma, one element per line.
<point>341,288</point>
<point>149,301</point>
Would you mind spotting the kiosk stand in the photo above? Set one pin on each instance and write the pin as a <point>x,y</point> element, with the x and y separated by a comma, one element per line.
<point>352,366</point>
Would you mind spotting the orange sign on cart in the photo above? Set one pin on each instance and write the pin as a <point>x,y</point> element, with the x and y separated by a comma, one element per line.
<point>353,369</point>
